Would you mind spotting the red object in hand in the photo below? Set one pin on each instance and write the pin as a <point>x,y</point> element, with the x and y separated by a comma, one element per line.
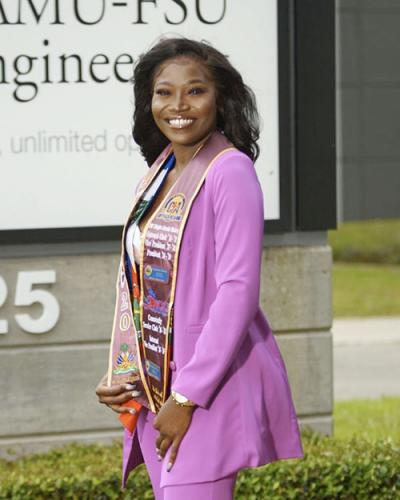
<point>128,420</point>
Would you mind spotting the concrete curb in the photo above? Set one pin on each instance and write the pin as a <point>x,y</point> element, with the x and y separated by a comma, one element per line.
<point>366,331</point>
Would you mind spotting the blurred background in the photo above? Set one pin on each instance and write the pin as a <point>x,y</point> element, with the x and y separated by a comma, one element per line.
<point>366,245</point>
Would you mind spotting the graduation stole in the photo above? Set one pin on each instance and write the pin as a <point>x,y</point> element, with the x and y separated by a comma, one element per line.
<point>140,350</point>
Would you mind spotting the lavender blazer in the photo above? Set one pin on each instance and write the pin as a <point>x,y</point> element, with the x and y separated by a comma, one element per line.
<point>225,356</point>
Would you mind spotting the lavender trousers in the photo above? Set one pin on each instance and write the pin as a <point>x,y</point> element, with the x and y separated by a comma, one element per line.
<point>221,489</point>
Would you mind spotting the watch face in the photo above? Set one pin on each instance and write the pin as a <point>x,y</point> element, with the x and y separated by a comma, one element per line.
<point>180,398</point>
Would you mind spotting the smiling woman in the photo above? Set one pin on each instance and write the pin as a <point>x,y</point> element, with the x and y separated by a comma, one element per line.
<point>195,371</point>
<point>235,104</point>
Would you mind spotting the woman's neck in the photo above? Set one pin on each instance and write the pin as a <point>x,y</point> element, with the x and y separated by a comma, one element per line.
<point>183,154</point>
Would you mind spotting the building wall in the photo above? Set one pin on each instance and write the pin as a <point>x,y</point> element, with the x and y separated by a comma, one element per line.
<point>48,380</point>
<point>368,105</point>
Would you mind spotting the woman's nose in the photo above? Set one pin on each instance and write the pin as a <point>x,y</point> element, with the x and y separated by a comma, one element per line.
<point>179,102</point>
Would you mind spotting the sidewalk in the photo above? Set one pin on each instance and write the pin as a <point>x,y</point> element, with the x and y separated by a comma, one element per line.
<point>366,355</point>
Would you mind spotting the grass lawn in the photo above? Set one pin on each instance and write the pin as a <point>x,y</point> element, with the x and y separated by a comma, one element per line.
<point>366,289</point>
<point>369,418</point>
<point>375,241</point>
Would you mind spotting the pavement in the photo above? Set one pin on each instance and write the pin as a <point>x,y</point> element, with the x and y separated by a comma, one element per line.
<point>366,357</point>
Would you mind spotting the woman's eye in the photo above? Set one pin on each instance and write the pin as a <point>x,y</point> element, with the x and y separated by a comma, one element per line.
<point>162,92</point>
<point>196,90</point>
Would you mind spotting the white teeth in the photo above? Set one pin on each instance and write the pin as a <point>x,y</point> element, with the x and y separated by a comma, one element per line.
<point>180,122</point>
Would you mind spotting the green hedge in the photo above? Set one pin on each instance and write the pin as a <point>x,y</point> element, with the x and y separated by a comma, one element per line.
<point>331,469</point>
<point>376,240</point>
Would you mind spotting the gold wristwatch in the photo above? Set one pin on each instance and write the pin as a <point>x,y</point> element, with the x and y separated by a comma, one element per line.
<point>181,400</point>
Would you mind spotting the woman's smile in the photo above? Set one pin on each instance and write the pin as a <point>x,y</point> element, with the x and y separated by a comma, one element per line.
<point>179,122</point>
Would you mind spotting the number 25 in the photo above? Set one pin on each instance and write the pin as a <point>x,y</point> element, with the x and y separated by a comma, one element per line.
<point>25,295</point>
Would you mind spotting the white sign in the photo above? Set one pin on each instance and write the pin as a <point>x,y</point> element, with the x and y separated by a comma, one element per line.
<point>67,158</point>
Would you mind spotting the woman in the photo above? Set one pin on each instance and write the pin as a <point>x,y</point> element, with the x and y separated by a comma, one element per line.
<point>227,402</point>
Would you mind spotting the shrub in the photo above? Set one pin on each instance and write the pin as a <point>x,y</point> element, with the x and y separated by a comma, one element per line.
<point>331,469</point>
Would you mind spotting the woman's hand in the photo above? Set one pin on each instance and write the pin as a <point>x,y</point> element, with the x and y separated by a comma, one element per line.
<point>116,395</point>
<point>172,422</point>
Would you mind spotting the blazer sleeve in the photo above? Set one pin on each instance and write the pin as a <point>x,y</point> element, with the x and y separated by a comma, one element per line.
<point>238,235</point>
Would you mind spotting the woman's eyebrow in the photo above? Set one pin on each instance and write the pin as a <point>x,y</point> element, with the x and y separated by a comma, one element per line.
<point>197,80</point>
<point>163,83</point>
<point>190,82</point>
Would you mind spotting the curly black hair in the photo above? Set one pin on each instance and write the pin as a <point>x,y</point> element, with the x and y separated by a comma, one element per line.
<point>237,115</point>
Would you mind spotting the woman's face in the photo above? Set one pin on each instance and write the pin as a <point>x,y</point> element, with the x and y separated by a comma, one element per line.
<point>184,102</point>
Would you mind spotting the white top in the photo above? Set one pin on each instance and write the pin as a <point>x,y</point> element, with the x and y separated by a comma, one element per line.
<point>132,242</point>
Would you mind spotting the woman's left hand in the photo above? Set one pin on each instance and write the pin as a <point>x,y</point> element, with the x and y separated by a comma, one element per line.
<point>172,422</point>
